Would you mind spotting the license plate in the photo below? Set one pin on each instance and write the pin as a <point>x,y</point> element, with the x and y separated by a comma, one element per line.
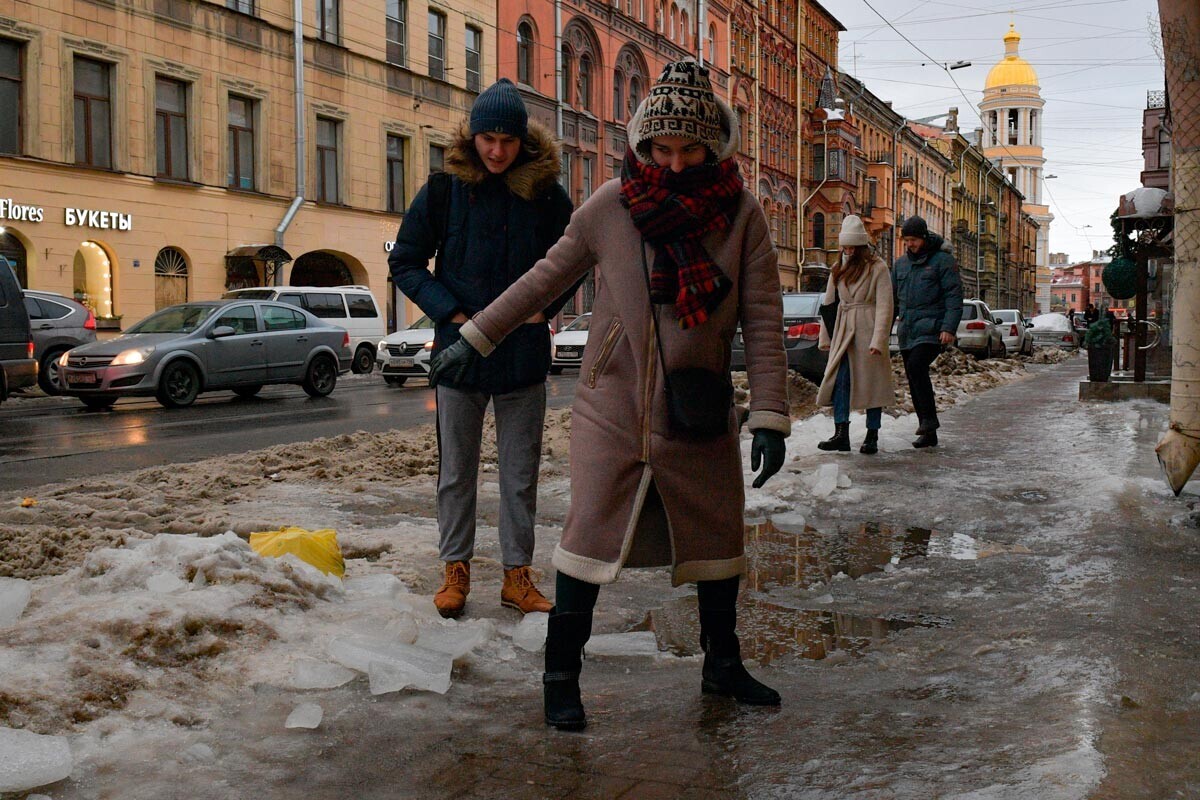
<point>81,377</point>
<point>400,363</point>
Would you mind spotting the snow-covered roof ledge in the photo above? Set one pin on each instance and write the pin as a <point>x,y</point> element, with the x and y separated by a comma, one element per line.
<point>1146,202</point>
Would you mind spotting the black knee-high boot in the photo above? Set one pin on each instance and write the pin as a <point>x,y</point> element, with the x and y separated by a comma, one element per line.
<point>569,628</point>
<point>723,672</point>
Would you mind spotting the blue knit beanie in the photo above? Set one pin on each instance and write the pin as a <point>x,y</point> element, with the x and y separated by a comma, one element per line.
<point>500,109</point>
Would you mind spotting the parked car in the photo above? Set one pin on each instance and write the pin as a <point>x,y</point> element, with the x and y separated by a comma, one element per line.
<point>1014,330</point>
<point>978,333</point>
<point>801,331</point>
<point>18,367</point>
<point>568,344</point>
<point>405,353</point>
<point>1053,330</point>
<point>58,323</point>
<point>350,307</point>
<point>183,350</point>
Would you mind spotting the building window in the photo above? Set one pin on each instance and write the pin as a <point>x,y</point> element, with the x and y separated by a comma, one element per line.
<point>712,45</point>
<point>1033,123</point>
<point>437,158</point>
<point>244,6</point>
<point>819,231</point>
<point>684,27</point>
<point>818,162</point>
<point>587,177</point>
<point>327,160</point>
<point>10,96</point>
<point>564,176</point>
<point>641,10</point>
<point>568,67</point>
<point>93,113</point>
<point>635,94</point>
<point>585,83</point>
<point>474,59</point>
<point>618,98</point>
<point>170,278</point>
<point>397,32</point>
<point>437,46</point>
<point>170,128</point>
<point>1164,149</point>
<point>525,54</point>
<point>395,174</point>
<point>240,174</point>
<point>328,13</point>
<point>1013,124</point>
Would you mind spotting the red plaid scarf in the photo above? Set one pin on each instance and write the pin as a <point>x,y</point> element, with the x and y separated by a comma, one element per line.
<point>673,211</point>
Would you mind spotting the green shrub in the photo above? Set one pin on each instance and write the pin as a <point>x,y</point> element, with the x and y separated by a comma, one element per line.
<point>1099,334</point>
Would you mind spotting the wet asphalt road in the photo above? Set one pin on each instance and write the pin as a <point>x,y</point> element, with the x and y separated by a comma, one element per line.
<point>50,440</point>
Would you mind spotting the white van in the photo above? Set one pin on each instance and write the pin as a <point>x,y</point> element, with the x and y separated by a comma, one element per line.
<point>350,307</point>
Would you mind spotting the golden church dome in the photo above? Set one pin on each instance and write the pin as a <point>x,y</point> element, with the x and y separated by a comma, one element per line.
<point>1013,70</point>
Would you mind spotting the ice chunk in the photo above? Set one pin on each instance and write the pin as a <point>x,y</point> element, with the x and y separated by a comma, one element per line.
<point>164,583</point>
<point>391,666</point>
<point>456,639</point>
<point>305,715</point>
<point>14,596</point>
<point>29,760</point>
<point>402,629</point>
<point>309,674</point>
<point>789,521</point>
<point>38,797</point>
<point>420,605</point>
<point>634,643</point>
<point>530,633</point>
<point>826,480</point>
<point>199,753</point>
<point>843,481</point>
<point>380,584</point>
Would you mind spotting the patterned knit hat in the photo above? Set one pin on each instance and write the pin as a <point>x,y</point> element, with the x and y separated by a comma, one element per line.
<point>681,103</point>
<point>500,109</point>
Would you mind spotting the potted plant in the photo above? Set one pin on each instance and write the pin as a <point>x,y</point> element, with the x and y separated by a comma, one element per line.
<point>1099,341</point>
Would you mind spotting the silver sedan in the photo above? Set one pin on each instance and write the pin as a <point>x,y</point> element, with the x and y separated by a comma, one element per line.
<point>182,350</point>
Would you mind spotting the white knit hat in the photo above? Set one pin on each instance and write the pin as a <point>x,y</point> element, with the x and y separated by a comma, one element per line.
<point>853,233</point>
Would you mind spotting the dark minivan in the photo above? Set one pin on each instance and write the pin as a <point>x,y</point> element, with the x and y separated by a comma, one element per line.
<point>18,367</point>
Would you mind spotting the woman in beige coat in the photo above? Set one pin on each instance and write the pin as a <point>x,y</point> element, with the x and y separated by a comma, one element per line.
<point>859,371</point>
<point>682,255</point>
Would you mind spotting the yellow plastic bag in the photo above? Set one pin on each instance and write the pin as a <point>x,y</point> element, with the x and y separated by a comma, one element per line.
<point>319,548</point>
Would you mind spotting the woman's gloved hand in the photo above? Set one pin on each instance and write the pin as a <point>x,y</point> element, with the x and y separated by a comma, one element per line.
<point>452,364</point>
<point>768,450</point>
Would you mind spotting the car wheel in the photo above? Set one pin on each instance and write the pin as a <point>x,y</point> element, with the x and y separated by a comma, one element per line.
<point>48,377</point>
<point>179,385</point>
<point>98,402</point>
<point>556,370</point>
<point>321,376</point>
<point>395,380</point>
<point>1003,350</point>
<point>364,360</point>
<point>247,391</point>
<point>986,352</point>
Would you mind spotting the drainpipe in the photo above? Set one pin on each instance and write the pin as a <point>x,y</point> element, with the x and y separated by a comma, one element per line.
<point>558,73</point>
<point>298,200</point>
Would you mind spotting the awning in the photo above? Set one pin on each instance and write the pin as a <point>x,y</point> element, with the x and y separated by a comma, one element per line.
<point>261,252</point>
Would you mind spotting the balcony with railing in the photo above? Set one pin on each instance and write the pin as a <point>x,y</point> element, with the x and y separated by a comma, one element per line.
<point>906,174</point>
<point>883,157</point>
<point>1156,98</point>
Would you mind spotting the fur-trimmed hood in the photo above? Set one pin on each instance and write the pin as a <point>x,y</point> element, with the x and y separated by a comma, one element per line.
<point>536,168</point>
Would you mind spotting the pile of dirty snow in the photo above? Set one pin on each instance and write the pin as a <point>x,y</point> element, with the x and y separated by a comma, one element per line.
<point>1049,355</point>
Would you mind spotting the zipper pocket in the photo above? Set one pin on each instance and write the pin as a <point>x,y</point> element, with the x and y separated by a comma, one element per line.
<point>606,350</point>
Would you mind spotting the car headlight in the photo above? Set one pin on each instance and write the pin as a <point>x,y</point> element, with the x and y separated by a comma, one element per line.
<point>429,345</point>
<point>130,357</point>
<point>62,360</point>
<point>382,347</point>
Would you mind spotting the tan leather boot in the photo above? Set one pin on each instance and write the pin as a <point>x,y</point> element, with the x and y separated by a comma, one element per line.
<point>519,592</point>
<point>452,597</point>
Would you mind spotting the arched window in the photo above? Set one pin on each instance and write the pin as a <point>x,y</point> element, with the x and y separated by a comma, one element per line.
<point>712,44</point>
<point>683,28</point>
<point>635,94</point>
<point>618,105</point>
<point>660,18</point>
<point>568,59</point>
<point>525,50</point>
<point>641,10</point>
<point>585,83</point>
<point>674,22</point>
<point>170,278</point>
<point>819,231</point>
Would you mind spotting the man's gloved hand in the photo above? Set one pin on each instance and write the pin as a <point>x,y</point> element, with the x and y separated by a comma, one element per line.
<point>768,449</point>
<point>452,364</point>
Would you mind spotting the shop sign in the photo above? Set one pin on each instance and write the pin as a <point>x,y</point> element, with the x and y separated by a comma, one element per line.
<point>104,220</point>
<point>20,213</point>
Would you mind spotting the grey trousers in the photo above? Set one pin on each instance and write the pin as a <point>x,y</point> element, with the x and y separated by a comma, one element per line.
<point>520,416</point>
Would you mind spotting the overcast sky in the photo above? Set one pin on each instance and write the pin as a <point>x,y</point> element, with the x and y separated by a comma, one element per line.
<point>1095,61</point>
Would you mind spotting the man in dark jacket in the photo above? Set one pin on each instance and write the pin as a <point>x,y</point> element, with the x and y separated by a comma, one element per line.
<point>928,292</point>
<point>494,215</point>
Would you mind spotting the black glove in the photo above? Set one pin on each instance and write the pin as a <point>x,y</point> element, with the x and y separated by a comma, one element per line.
<point>453,364</point>
<point>768,449</point>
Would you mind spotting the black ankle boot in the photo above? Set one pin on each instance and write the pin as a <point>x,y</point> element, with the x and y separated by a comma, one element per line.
<point>926,425</point>
<point>927,439</point>
<point>566,635</point>
<point>840,440</point>
<point>723,673</point>
<point>870,445</point>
